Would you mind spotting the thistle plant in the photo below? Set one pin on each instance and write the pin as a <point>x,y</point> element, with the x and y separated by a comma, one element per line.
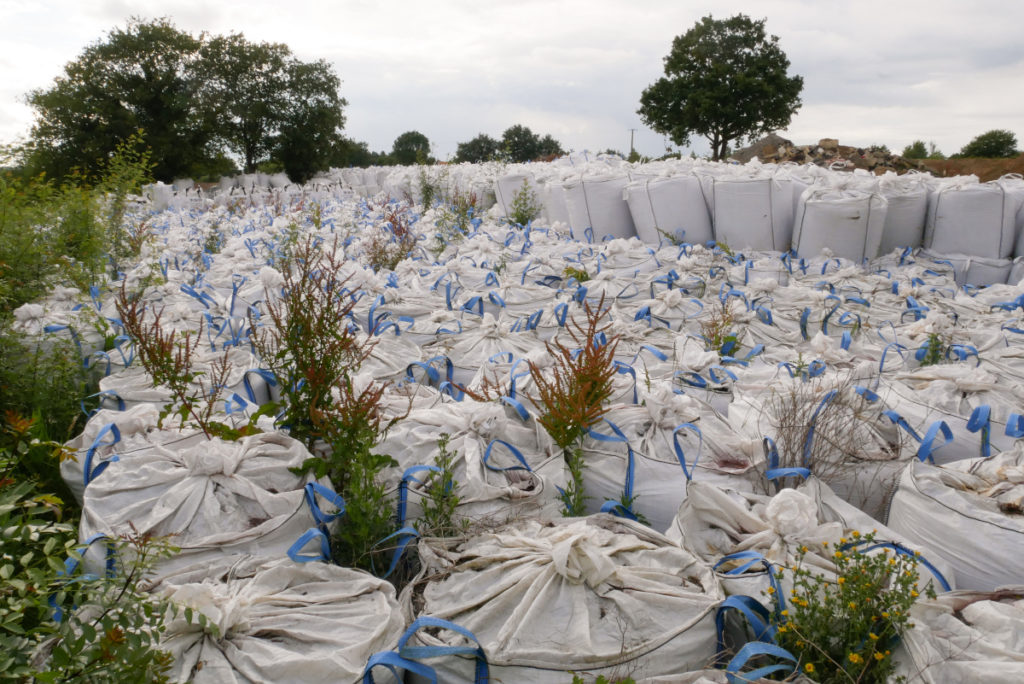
<point>574,398</point>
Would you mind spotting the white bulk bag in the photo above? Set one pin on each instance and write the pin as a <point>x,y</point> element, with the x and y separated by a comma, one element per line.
<point>976,219</point>
<point>715,523</point>
<point>217,498</point>
<point>964,636</point>
<point>280,621</point>
<point>597,203</point>
<point>504,467</point>
<point>555,209</point>
<point>955,394</point>
<point>472,348</point>
<point>972,270</point>
<point>754,213</point>
<point>642,448</point>
<point>107,433</point>
<point>848,223</point>
<point>674,205</point>
<point>969,512</point>
<point>595,596</point>
<point>907,212</point>
<point>507,187</point>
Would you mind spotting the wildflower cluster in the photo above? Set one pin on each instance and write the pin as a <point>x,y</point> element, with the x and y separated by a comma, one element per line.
<point>845,630</point>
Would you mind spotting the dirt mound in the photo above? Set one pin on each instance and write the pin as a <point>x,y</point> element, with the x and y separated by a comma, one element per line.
<point>984,169</point>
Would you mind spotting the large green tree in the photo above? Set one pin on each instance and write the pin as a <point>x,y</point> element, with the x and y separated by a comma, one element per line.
<point>139,77</point>
<point>412,147</point>
<point>196,101</point>
<point>724,80</point>
<point>480,149</point>
<point>311,126</point>
<point>520,144</point>
<point>267,102</point>
<point>994,143</point>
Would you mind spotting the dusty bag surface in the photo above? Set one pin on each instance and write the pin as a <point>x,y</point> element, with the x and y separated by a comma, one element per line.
<point>578,594</point>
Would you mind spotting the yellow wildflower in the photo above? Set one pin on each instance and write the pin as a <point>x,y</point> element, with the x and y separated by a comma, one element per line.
<point>809,668</point>
<point>855,658</point>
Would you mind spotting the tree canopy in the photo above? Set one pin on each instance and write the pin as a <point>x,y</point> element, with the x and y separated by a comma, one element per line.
<point>480,149</point>
<point>994,143</point>
<point>140,77</point>
<point>412,147</point>
<point>724,80</point>
<point>195,99</point>
<point>520,144</point>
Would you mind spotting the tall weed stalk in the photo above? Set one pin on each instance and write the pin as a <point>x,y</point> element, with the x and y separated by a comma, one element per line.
<point>575,396</point>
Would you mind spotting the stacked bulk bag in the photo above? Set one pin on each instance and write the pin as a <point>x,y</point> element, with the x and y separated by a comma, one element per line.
<point>971,270</point>
<point>965,636</point>
<point>907,198</point>
<point>848,223</point>
<point>594,596</point>
<point>217,498</point>
<point>553,200</point>
<point>279,621</point>
<point>752,213</point>
<point>970,513</point>
<point>973,219</point>
<point>673,206</point>
<point>596,204</point>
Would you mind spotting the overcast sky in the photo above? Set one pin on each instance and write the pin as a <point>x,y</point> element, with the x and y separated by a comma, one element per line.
<point>874,72</point>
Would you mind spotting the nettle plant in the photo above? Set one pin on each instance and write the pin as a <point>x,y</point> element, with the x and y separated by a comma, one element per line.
<point>574,397</point>
<point>310,345</point>
<point>844,631</point>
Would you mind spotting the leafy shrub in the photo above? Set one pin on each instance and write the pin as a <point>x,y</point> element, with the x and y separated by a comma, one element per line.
<point>994,143</point>
<point>56,627</point>
<point>386,247</point>
<point>525,205</point>
<point>314,354</point>
<point>844,631</point>
<point>169,360</point>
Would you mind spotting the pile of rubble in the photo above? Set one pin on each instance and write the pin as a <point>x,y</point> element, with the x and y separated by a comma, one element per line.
<point>828,152</point>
